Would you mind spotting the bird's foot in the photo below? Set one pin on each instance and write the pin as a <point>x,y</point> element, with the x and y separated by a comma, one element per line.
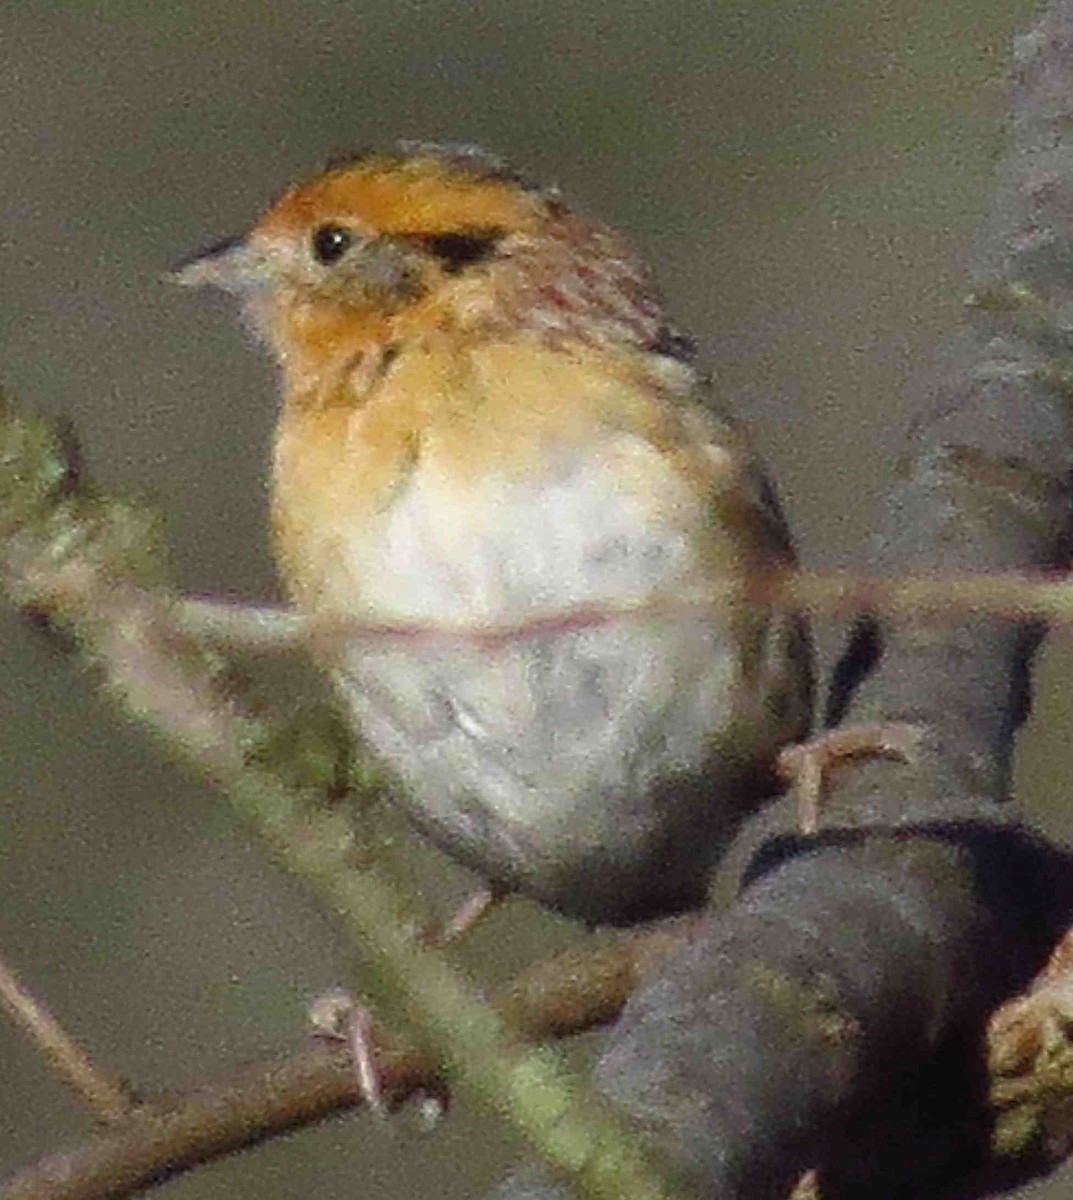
<point>807,766</point>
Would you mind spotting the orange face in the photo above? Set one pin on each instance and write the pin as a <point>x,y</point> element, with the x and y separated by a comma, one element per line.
<point>385,249</point>
<point>339,262</point>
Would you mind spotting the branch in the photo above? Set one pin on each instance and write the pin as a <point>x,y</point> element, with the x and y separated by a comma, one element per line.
<point>938,596</point>
<point>568,995</point>
<point>105,1096</point>
<point>171,1134</point>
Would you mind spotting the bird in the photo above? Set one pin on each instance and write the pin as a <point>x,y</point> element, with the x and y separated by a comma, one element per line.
<point>489,423</point>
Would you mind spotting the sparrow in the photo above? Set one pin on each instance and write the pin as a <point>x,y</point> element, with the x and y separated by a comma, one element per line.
<point>491,429</point>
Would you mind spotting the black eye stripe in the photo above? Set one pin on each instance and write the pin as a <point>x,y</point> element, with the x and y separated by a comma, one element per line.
<point>457,251</point>
<point>330,243</point>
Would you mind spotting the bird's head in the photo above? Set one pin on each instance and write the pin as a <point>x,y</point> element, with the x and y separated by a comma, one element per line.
<point>382,248</point>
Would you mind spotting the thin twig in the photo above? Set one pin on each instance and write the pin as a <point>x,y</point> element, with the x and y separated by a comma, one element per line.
<point>819,594</point>
<point>567,995</point>
<point>105,1095</point>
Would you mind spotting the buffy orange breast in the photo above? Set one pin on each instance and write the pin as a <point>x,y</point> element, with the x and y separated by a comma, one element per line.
<point>488,419</point>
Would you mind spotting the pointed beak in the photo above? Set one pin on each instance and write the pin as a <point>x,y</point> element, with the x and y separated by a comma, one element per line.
<point>231,265</point>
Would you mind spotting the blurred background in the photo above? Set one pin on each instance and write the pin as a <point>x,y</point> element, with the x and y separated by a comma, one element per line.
<point>807,180</point>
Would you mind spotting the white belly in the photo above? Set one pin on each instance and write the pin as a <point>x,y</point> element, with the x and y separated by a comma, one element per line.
<point>568,765</point>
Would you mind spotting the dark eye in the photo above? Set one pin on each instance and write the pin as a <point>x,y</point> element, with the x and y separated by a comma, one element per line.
<point>330,243</point>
